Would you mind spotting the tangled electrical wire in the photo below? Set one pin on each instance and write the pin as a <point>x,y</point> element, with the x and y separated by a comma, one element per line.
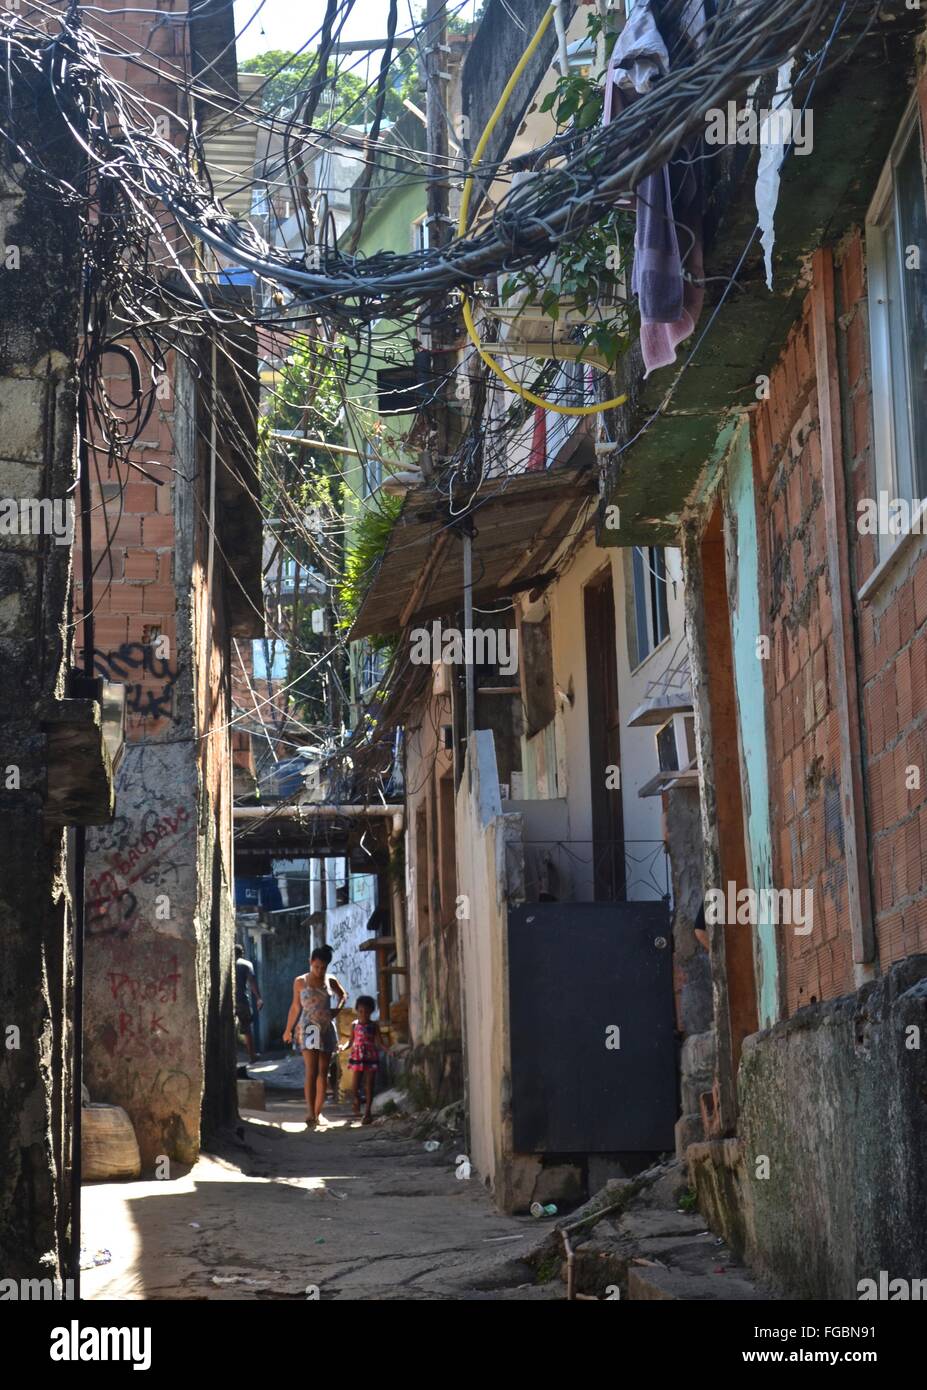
<point>147,206</point>
<point>743,41</point>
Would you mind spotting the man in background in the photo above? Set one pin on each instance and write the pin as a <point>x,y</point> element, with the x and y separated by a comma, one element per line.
<point>245,988</point>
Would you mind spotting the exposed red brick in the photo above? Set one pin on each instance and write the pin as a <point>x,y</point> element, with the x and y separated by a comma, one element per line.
<point>141,565</point>
<point>158,531</point>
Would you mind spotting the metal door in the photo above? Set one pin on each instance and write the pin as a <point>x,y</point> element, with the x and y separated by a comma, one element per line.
<point>592,1041</point>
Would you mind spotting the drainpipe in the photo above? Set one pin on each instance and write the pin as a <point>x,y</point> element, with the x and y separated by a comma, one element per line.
<point>80,846</point>
<point>397,887</point>
<point>468,639</point>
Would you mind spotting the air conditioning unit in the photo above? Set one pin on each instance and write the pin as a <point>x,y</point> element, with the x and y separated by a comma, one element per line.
<point>526,331</point>
<point>676,756</point>
<point>676,743</point>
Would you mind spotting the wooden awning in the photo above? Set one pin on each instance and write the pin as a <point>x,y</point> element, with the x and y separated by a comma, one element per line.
<point>519,523</point>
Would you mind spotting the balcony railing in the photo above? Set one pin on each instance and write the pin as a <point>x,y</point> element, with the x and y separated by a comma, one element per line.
<point>590,870</point>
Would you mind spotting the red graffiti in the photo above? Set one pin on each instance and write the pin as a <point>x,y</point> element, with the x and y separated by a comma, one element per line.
<point>112,906</point>
<point>133,989</point>
<point>125,860</point>
<point>111,909</point>
<point>140,1022</point>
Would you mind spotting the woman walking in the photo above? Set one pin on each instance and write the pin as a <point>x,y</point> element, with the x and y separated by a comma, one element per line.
<point>312,1012</point>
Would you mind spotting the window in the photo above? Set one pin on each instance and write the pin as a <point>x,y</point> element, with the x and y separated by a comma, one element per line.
<point>420,236</point>
<point>269,659</point>
<point>569,388</point>
<point>651,619</point>
<point>371,666</point>
<point>372,471</point>
<point>896,239</point>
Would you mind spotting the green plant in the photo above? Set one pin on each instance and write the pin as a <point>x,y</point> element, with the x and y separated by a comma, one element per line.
<point>548,1269</point>
<point>365,551</point>
<point>688,1200</point>
<point>590,268</point>
<point>303,488</point>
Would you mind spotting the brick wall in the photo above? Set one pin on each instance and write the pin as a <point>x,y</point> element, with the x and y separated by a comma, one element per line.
<point>891,643</point>
<point>892,636</point>
<point>795,605</point>
<point>160,921</point>
<point>132,535</point>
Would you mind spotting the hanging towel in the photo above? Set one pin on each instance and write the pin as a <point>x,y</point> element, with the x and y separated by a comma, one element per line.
<point>668,206</point>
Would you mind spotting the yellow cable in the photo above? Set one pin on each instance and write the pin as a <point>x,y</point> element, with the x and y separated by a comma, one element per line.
<point>501,104</point>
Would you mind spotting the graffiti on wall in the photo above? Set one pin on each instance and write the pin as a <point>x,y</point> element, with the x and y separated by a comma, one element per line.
<point>149,679</point>
<point>345,929</point>
<point>134,855</point>
<point>141,867</point>
<point>141,1004</point>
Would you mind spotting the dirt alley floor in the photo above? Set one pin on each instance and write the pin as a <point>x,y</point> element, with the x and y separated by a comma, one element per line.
<point>359,1212</point>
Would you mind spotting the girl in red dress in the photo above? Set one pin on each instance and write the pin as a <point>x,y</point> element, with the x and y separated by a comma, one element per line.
<point>364,1059</point>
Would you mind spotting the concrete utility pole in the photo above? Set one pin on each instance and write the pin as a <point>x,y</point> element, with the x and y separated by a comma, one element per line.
<point>437,215</point>
<point>437,81</point>
<point>443,325</point>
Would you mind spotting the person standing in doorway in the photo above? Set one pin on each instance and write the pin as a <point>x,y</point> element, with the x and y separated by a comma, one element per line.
<point>246,989</point>
<point>312,1013</point>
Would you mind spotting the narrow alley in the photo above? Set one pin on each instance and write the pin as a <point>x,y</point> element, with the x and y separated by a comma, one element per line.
<point>346,1212</point>
<point>463,649</point>
<point>343,1212</point>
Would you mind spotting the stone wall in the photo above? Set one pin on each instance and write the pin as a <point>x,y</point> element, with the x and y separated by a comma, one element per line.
<point>142,1050</point>
<point>835,1099</point>
<point>39,301</point>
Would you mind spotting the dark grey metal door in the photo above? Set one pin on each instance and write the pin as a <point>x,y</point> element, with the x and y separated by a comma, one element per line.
<point>592,1036</point>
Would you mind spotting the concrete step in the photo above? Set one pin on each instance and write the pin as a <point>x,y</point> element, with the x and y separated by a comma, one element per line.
<point>725,1285</point>
<point>652,1250</point>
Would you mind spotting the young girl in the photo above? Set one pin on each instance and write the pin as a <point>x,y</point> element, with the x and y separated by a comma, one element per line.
<point>314,1017</point>
<point>363,1060</point>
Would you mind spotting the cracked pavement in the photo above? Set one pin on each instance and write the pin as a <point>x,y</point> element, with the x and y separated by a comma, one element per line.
<point>275,1211</point>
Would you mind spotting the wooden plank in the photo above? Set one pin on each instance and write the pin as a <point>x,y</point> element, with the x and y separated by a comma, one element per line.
<point>852,804</point>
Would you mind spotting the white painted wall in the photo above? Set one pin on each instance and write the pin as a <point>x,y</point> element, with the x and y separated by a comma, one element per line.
<point>643,817</point>
<point>346,928</point>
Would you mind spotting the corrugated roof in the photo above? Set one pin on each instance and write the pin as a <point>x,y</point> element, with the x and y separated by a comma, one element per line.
<point>230,151</point>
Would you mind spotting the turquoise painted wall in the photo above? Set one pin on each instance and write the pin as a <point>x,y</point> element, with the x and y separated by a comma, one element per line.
<point>751,700</point>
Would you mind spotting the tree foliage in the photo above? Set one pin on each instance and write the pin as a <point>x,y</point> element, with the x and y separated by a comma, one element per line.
<point>289,79</point>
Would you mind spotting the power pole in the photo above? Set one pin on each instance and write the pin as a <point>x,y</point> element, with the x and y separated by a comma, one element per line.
<point>437,81</point>
<point>437,215</point>
<point>444,320</point>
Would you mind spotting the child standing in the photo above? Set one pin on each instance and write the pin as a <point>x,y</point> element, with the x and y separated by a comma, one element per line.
<point>363,1059</point>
